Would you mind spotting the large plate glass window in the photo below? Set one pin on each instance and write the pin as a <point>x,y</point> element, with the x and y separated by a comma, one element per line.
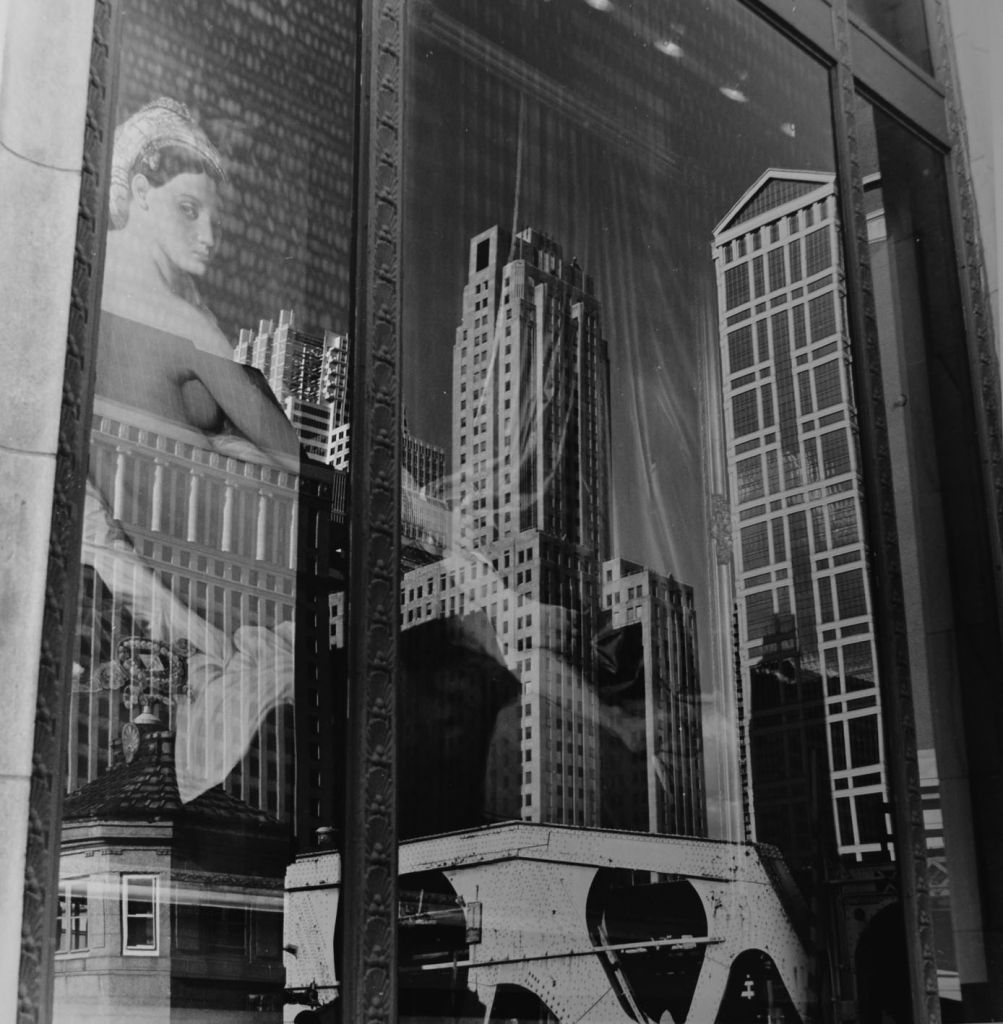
<point>205,707</point>
<point>641,730</point>
<point>901,23</point>
<point>937,439</point>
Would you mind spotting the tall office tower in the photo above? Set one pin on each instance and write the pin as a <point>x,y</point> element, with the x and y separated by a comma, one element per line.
<point>334,375</point>
<point>424,464</point>
<point>424,512</point>
<point>530,537</point>
<point>308,375</point>
<point>805,627</point>
<point>648,683</point>
<point>531,397</point>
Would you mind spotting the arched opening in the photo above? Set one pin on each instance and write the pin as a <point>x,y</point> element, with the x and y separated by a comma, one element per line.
<point>658,974</point>
<point>514,1004</point>
<point>755,992</point>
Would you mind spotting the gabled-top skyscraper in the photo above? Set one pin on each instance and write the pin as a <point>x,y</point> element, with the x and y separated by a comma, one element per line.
<point>805,620</point>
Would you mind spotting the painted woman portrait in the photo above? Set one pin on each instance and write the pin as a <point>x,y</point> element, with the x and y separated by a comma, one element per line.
<point>190,542</point>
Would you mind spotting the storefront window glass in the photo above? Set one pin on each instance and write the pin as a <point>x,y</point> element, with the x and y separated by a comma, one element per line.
<point>627,353</point>
<point>648,759</point>
<point>901,22</point>
<point>207,696</point>
<point>945,545</point>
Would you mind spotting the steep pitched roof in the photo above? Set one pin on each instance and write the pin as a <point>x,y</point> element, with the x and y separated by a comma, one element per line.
<point>772,189</point>
<point>146,789</point>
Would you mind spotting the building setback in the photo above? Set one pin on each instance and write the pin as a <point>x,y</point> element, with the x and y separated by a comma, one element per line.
<point>530,547</point>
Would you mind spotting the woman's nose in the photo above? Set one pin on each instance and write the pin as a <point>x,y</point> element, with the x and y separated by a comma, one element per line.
<point>206,233</point>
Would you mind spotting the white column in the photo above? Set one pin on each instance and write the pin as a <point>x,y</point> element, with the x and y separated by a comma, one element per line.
<point>193,507</point>
<point>293,532</point>
<point>43,98</point>
<point>118,493</point>
<point>262,523</point>
<point>227,543</point>
<point>156,518</point>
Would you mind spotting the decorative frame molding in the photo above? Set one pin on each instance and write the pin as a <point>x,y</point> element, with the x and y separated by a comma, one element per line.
<point>369,870</point>
<point>980,330</point>
<point>882,527</point>
<point>41,876</point>
<point>370,853</point>
<point>985,382</point>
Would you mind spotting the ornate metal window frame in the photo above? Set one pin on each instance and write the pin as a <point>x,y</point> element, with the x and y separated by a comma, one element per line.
<point>858,59</point>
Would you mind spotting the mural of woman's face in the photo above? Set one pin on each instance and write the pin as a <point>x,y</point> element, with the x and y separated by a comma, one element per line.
<point>182,218</point>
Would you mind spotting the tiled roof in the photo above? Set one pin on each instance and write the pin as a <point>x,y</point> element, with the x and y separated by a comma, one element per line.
<point>146,789</point>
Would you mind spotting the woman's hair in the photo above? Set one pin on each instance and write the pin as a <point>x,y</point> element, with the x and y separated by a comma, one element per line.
<point>161,165</point>
<point>161,140</point>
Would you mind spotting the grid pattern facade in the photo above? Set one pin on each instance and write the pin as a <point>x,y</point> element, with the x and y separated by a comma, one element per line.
<point>800,559</point>
<point>217,545</point>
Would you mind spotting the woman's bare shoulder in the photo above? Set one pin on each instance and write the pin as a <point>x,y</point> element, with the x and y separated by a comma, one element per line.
<point>206,335</point>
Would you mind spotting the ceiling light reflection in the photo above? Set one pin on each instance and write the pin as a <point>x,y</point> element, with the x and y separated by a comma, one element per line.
<point>600,5</point>
<point>669,48</point>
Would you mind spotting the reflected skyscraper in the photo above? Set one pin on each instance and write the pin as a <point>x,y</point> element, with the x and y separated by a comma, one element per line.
<point>805,621</point>
<point>308,374</point>
<point>597,645</point>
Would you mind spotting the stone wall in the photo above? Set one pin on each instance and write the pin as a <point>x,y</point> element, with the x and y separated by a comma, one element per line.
<point>43,96</point>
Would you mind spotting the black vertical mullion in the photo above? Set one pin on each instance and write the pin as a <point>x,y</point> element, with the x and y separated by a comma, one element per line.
<point>368,969</point>
<point>902,767</point>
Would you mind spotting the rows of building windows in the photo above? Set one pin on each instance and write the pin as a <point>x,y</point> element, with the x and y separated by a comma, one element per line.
<point>796,500</point>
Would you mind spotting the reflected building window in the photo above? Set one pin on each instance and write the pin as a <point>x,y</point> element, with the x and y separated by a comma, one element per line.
<point>141,914</point>
<point>71,917</point>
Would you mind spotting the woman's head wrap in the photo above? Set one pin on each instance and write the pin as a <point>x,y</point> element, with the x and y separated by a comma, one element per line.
<point>139,140</point>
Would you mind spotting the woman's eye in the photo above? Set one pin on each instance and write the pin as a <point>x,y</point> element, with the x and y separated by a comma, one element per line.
<point>190,210</point>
